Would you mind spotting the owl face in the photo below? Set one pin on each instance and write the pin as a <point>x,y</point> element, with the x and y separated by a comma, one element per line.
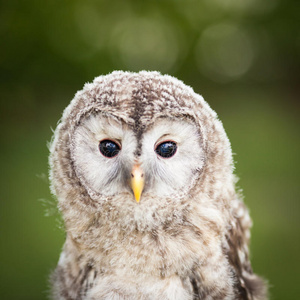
<point>111,158</point>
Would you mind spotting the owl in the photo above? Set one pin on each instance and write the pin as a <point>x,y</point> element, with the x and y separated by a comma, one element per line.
<point>143,173</point>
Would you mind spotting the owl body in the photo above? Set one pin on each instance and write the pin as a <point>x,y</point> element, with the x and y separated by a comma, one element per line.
<point>143,173</point>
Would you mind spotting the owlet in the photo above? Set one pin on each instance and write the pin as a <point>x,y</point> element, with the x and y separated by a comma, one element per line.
<point>143,173</point>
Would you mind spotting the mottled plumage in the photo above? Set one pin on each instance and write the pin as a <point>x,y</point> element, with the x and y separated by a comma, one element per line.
<point>187,238</point>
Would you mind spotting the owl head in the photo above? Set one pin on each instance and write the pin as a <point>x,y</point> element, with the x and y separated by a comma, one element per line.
<point>139,148</point>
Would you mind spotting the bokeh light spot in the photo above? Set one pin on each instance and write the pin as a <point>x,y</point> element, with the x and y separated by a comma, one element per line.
<point>249,6</point>
<point>91,25</point>
<point>145,44</point>
<point>224,52</point>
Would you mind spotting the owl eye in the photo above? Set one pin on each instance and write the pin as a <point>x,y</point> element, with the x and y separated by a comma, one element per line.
<point>109,148</point>
<point>166,149</point>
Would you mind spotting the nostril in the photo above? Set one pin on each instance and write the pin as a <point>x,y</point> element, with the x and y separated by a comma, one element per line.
<point>142,175</point>
<point>132,175</point>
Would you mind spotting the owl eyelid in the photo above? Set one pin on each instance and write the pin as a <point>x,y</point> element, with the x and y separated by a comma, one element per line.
<point>164,141</point>
<point>167,137</point>
<point>118,142</point>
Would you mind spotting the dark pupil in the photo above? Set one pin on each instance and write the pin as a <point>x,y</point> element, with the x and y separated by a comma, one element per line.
<point>166,149</point>
<point>109,148</point>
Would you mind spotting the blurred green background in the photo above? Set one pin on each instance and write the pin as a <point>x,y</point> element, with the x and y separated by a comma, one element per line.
<point>242,56</point>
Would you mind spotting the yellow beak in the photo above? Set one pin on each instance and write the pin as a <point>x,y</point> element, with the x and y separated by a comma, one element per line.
<point>137,182</point>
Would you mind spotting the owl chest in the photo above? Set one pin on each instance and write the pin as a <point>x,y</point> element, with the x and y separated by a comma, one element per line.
<point>143,288</point>
<point>154,254</point>
<point>142,268</point>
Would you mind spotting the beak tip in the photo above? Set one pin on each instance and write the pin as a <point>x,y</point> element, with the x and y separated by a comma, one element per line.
<point>137,198</point>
